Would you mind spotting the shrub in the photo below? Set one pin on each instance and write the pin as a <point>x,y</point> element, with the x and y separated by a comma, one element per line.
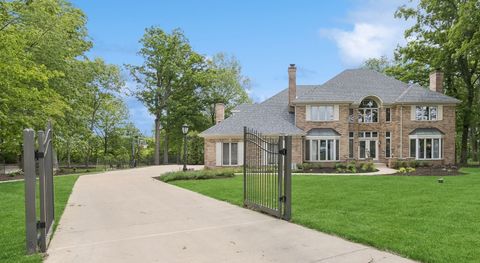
<point>414,164</point>
<point>340,166</point>
<point>197,175</point>
<point>406,170</point>
<point>351,167</point>
<point>309,166</point>
<point>367,167</point>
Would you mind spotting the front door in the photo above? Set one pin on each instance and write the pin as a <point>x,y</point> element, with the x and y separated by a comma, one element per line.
<point>368,149</point>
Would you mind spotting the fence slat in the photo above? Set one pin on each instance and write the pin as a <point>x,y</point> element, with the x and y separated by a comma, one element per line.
<point>29,170</point>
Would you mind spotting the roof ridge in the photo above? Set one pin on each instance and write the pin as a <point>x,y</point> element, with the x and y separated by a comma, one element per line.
<point>404,92</point>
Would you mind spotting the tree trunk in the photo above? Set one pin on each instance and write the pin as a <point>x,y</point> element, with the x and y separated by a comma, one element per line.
<point>165,149</point>
<point>157,140</point>
<point>68,153</point>
<point>474,141</point>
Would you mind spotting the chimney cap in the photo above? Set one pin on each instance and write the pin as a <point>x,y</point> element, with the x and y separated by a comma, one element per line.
<point>292,65</point>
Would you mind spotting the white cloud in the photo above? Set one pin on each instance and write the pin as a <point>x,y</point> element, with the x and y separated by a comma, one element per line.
<point>374,32</point>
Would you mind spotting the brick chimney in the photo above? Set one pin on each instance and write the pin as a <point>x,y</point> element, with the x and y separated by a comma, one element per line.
<point>219,112</point>
<point>292,86</point>
<point>436,81</point>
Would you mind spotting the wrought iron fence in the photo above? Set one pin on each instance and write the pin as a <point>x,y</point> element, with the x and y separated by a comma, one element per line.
<point>267,173</point>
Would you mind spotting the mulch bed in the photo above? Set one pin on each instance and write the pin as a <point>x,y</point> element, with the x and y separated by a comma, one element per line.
<point>327,170</point>
<point>432,171</point>
<point>16,176</point>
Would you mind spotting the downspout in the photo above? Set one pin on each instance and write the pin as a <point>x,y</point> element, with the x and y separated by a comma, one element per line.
<point>401,132</point>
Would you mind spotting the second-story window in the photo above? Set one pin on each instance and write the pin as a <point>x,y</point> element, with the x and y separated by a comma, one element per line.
<point>322,113</point>
<point>388,115</point>
<point>426,113</point>
<point>368,111</point>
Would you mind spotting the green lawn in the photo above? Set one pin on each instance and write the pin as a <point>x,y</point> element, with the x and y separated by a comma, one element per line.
<point>413,216</point>
<point>12,217</point>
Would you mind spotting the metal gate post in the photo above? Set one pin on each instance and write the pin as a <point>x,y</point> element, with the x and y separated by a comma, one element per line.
<point>244,164</point>
<point>30,182</point>
<point>281,145</point>
<point>287,214</point>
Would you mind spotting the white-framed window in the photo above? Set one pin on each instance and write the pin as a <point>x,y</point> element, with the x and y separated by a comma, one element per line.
<point>322,149</point>
<point>388,145</point>
<point>426,148</point>
<point>367,134</point>
<point>229,153</point>
<point>322,113</point>
<point>368,111</point>
<point>388,115</point>
<point>426,113</point>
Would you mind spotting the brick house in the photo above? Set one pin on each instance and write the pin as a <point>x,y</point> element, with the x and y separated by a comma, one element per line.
<point>359,114</point>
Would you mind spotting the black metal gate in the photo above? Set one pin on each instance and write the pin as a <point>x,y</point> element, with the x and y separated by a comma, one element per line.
<point>267,173</point>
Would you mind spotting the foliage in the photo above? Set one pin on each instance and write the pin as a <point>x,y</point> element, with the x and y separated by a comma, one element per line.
<point>401,211</point>
<point>378,64</point>
<point>368,167</point>
<point>406,170</point>
<point>45,75</point>
<point>445,36</point>
<point>197,175</point>
<point>195,148</point>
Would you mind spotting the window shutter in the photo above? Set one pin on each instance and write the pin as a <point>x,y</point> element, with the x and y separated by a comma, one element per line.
<point>412,112</point>
<point>440,112</point>
<point>240,153</point>
<point>218,154</point>
<point>307,112</point>
<point>336,112</point>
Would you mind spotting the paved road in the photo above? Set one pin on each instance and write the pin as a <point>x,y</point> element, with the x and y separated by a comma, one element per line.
<point>126,216</point>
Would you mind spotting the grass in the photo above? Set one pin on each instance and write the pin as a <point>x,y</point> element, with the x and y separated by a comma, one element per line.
<point>198,175</point>
<point>12,216</point>
<point>413,216</point>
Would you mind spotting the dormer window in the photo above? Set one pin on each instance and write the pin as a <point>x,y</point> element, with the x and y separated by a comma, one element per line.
<point>368,111</point>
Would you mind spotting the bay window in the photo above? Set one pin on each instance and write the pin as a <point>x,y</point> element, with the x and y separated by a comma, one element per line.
<point>426,148</point>
<point>322,149</point>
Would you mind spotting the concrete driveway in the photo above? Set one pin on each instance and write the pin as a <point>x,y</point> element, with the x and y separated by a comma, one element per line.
<point>126,216</point>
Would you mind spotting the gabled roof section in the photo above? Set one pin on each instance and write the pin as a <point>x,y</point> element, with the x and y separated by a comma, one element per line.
<point>418,94</point>
<point>269,117</point>
<point>353,85</point>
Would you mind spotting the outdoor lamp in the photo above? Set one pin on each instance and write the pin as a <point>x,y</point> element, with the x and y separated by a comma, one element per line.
<point>184,131</point>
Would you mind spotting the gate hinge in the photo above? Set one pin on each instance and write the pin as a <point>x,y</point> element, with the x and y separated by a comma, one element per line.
<point>39,155</point>
<point>282,198</point>
<point>283,151</point>
<point>40,224</point>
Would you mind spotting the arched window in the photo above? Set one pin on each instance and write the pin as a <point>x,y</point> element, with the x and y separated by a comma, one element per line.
<point>368,111</point>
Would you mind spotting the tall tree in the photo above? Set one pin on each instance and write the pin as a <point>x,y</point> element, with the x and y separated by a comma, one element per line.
<point>446,35</point>
<point>380,64</point>
<point>225,83</point>
<point>168,68</point>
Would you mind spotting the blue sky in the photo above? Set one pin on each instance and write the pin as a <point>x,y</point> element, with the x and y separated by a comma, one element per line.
<point>321,37</point>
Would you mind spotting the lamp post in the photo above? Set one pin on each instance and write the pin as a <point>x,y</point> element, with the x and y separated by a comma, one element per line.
<point>184,131</point>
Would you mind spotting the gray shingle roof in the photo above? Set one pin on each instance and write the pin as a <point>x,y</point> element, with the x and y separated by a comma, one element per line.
<point>265,118</point>
<point>353,85</point>
<point>350,86</point>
